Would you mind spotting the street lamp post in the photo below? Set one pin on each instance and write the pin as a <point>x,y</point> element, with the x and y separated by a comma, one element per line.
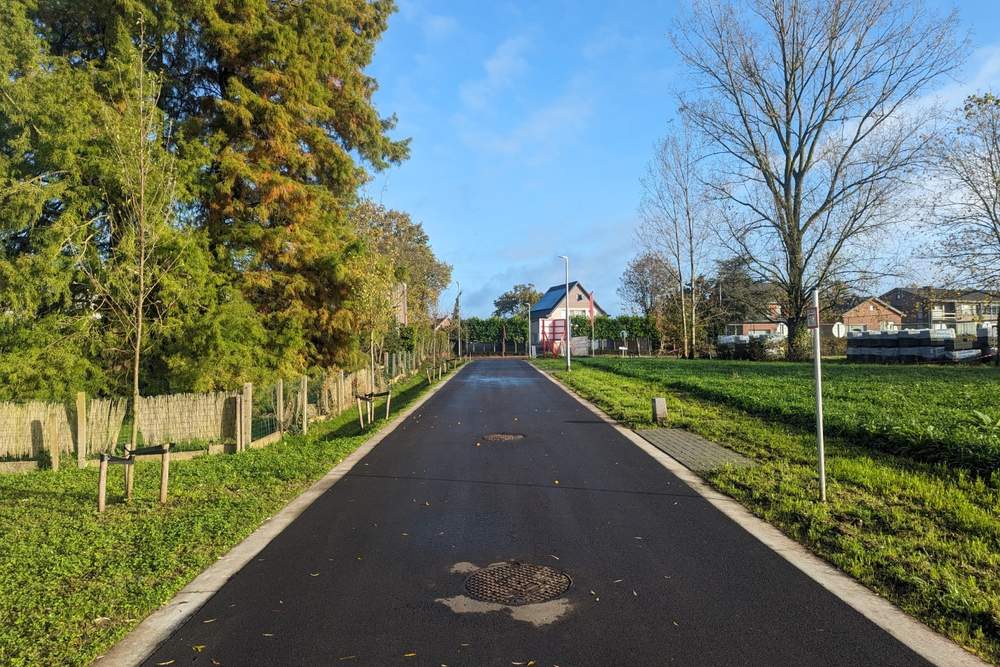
<point>567,334</point>
<point>458,316</point>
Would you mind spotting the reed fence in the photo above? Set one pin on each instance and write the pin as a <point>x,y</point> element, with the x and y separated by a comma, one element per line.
<point>34,430</point>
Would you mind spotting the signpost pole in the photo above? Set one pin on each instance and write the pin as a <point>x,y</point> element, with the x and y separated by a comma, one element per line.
<point>818,369</point>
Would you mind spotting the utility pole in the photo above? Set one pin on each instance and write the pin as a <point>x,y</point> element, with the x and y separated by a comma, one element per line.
<point>567,333</point>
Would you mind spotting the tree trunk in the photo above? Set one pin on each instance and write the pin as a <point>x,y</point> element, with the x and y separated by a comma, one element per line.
<point>996,357</point>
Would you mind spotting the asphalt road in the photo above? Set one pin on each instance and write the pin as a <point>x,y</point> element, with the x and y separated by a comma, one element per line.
<point>373,572</point>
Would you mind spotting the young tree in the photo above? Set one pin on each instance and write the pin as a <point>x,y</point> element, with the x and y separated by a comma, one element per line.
<point>967,212</point>
<point>517,299</point>
<point>129,259</point>
<point>649,286</point>
<point>803,102</point>
<point>677,221</point>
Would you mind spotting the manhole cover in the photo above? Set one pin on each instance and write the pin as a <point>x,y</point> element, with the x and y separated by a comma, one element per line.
<point>501,437</point>
<point>517,583</point>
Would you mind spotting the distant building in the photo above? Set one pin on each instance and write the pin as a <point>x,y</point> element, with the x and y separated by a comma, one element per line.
<point>548,315</point>
<point>937,308</point>
<point>771,321</point>
<point>873,314</point>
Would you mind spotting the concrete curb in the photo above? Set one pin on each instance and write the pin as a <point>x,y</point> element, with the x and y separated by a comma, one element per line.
<point>156,628</point>
<point>921,639</point>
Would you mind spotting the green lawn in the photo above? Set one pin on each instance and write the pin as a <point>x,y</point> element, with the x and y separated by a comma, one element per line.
<point>923,529</point>
<point>73,582</point>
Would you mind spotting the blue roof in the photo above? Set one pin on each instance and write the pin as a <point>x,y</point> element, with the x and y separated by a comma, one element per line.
<point>551,299</point>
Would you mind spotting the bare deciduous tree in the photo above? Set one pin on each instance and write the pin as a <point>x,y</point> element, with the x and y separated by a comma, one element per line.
<point>804,104</point>
<point>677,221</point>
<point>967,211</point>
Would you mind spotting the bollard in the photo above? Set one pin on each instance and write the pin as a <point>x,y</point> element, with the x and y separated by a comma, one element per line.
<point>659,411</point>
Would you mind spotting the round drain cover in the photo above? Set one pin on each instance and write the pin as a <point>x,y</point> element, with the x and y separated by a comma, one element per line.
<point>517,583</point>
<point>501,437</point>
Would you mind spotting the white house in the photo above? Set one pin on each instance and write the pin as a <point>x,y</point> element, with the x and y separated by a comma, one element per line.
<point>548,316</point>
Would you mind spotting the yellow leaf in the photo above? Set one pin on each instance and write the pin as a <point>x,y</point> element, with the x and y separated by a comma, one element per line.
<point>198,648</point>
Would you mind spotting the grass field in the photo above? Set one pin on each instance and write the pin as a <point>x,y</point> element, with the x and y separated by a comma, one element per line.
<point>914,510</point>
<point>73,582</point>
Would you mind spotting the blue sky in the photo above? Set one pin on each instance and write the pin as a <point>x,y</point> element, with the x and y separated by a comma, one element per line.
<point>532,124</point>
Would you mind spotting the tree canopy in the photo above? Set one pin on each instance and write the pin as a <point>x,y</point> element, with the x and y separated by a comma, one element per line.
<point>267,118</point>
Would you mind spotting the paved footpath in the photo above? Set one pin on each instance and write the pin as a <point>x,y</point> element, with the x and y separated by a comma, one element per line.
<point>373,572</point>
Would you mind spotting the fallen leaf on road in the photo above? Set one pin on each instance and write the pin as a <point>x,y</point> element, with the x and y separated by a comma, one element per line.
<point>618,581</point>
<point>198,648</point>
<point>166,662</point>
<point>552,556</point>
<point>411,654</point>
<point>215,662</point>
<point>268,634</point>
<point>348,657</point>
<point>634,593</point>
<point>209,620</point>
<point>557,481</point>
<point>314,574</point>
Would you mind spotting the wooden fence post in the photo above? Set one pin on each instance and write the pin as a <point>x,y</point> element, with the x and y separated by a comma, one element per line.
<point>102,483</point>
<point>54,446</point>
<point>81,430</point>
<point>164,473</point>
<point>304,399</point>
<point>279,404</point>
<point>325,394</point>
<point>238,423</point>
<point>247,415</point>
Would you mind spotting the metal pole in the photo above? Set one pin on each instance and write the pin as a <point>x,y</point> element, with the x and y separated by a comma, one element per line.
<point>527,350</point>
<point>567,333</point>
<point>458,316</point>
<point>817,365</point>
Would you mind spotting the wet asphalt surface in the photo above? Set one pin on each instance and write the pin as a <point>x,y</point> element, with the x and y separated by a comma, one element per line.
<point>373,572</point>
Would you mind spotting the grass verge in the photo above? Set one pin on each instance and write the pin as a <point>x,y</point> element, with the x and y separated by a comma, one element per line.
<point>73,582</point>
<point>923,535</point>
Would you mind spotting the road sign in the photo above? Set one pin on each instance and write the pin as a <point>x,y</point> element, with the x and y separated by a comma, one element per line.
<point>812,317</point>
<point>839,330</point>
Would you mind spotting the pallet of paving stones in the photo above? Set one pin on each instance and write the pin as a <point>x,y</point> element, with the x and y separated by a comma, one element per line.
<point>911,346</point>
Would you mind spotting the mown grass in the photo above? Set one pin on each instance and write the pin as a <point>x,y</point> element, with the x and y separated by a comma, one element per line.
<point>939,414</point>
<point>73,582</point>
<point>924,535</point>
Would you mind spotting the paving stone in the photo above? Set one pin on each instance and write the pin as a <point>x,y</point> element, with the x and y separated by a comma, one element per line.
<point>693,451</point>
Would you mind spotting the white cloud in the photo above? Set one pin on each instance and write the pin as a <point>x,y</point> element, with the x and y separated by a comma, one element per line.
<point>437,26</point>
<point>539,132</point>
<point>501,69</point>
<point>982,75</point>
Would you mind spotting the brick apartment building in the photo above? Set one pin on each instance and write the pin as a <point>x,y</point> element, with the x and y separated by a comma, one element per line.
<point>873,314</point>
<point>936,308</point>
